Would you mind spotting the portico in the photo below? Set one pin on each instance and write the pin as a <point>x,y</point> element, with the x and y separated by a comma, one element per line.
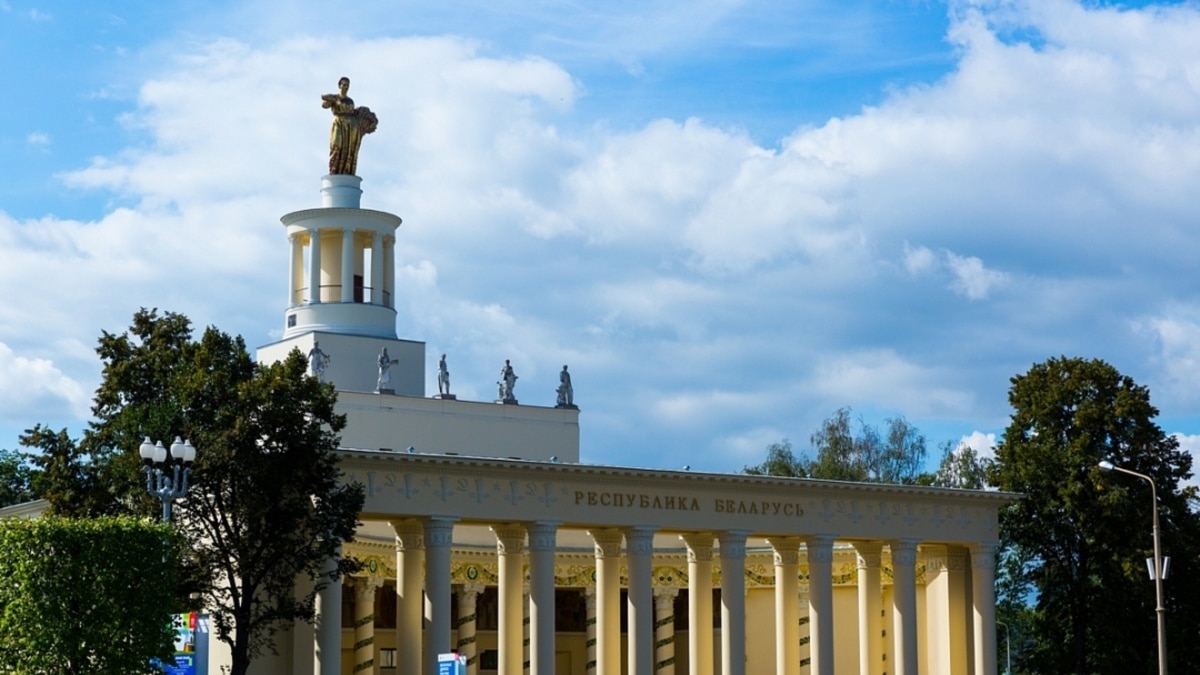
<point>789,553</point>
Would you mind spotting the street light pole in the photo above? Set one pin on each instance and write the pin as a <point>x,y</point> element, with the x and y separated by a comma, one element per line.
<point>1158,567</point>
<point>1007,649</point>
<point>167,480</point>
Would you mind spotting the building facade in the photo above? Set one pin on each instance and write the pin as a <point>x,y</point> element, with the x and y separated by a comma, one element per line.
<point>483,533</point>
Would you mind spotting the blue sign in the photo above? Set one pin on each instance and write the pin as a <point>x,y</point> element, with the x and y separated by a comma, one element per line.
<point>452,664</point>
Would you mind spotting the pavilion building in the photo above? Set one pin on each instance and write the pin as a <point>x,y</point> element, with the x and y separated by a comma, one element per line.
<point>483,533</point>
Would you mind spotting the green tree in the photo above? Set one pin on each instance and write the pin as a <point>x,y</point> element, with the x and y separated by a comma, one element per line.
<point>1080,538</point>
<point>961,467</point>
<point>780,461</point>
<point>85,596</point>
<point>15,478</point>
<point>844,453</point>
<point>267,505</point>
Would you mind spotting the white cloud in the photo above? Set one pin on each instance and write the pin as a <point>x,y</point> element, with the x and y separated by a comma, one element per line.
<point>984,444</point>
<point>707,285</point>
<point>1190,443</point>
<point>38,138</point>
<point>972,279</point>
<point>35,389</point>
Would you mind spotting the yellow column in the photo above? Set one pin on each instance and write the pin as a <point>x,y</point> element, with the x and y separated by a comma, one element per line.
<point>983,581</point>
<point>589,594</point>
<point>787,608</point>
<point>700,609</point>
<point>510,547</point>
<point>664,630</point>
<point>364,623</point>
<point>904,605</point>
<point>608,600</point>
<point>870,604</point>
<point>410,603</point>
<point>468,596</point>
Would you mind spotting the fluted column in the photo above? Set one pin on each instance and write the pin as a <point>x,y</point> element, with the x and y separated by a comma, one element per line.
<point>664,630</point>
<point>410,605</point>
<point>439,534</point>
<point>820,603</point>
<point>314,266</point>
<point>348,265</point>
<point>468,598</point>
<point>364,623</point>
<point>389,274</point>
<point>733,602</point>
<point>700,609</point>
<point>983,582</point>
<point>510,546</point>
<point>296,271</point>
<point>870,603</point>
<point>904,605</point>
<point>525,628</point>
<point>328,653</point>
<point>787,609</point>
<point>608,600</point>
<point>639,548</point>
<point>377,269</point>
<point>542,547</point>
<point>589,595</point>
<point>947,638</point>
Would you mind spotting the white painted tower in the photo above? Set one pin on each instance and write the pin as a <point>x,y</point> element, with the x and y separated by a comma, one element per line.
<point>341,313</point>
<point>341,293</point>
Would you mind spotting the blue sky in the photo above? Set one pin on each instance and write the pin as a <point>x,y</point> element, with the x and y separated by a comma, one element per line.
<point>730,218</point>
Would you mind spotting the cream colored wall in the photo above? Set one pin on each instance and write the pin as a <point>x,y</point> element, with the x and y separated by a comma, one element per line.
<point>353,360</point>
<point>468,428</point>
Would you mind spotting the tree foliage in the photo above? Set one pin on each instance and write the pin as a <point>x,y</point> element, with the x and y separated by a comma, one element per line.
<point>85,596</point>
<point>962,467</point>
<point>1079,537</point>
<point>780,461</point>
<point>16,478</point>
<point>852,452</point>
<point>266,505</point>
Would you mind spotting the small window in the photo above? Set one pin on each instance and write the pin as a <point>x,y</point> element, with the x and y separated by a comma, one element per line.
<point>387,658</point>
<point>291,320</point>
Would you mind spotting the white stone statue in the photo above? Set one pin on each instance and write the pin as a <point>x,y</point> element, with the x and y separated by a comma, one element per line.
<point>385,374</point>
<point>317,361</point>
<point>443,377</point>
<point>566,393</point>
<point>508,381</point>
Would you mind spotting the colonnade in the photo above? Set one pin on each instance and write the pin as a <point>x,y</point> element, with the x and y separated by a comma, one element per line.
<point>336,255</point>
<point>423,593</point>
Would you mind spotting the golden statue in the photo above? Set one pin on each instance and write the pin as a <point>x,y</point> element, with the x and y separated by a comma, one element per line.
<point>350,124</point>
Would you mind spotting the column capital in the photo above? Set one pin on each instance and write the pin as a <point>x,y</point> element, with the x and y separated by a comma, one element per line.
<point>543,535</point>
<point>410,534</point>
<point>639,540</point>
<point>870,554</point>
<point>904,551</point>
<point>471,589</point>
<point>787,550</point>
<point>367,583</point>
<point>820,548</point>
<point>733,544</point>
<point>439,530</point>
<point>608,542</point>
<point>665,591</point>
<point>699,545</point>
<point>510,538</point>
<point>983,554</point>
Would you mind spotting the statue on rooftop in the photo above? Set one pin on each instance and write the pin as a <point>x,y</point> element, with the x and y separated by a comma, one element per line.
<point>350,124</point>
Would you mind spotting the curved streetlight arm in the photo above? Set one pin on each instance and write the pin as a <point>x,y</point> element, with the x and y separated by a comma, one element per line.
<point>1158,566</point>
